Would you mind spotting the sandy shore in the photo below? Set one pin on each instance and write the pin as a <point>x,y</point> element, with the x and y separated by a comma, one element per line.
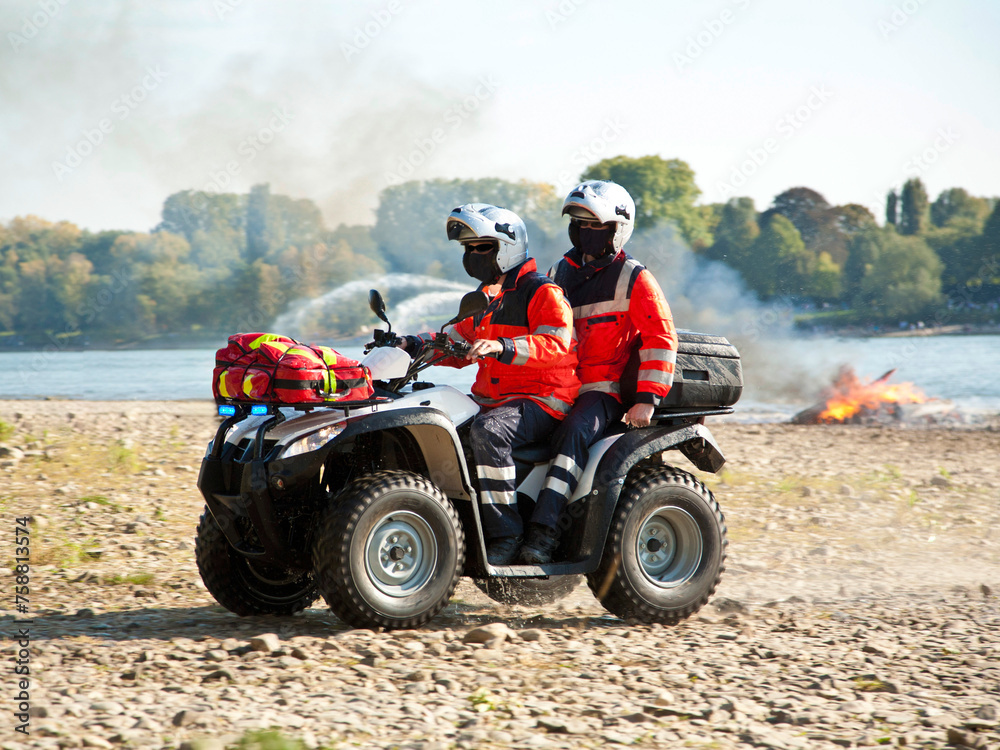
<point>859,607</point>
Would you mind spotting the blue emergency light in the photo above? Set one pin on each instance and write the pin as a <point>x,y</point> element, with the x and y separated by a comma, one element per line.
<point>258,409</point>
<point>227,410</point>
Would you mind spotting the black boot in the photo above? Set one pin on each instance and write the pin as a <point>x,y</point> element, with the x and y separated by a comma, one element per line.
<point>541,544</point>
<point>502,550</point>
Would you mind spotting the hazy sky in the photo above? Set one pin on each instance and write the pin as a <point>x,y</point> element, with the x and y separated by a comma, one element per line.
<point>108,107</point>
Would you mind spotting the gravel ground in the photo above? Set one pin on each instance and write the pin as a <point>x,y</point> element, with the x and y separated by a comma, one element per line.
<point>859,608</point>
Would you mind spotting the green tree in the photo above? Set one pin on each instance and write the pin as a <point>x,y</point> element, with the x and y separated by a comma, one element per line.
<point>892,208</point>
<point>779,263</point>
<point>663,190</point>
<point>904,280</point>
<point>735,232</point>
<point>956,204</point>
<point>914,213</point>
<point>863,249</point>
<point>817,221</point>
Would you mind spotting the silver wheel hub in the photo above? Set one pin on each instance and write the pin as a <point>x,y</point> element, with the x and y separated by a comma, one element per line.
<point>669,547</point>
<point>400,554</point>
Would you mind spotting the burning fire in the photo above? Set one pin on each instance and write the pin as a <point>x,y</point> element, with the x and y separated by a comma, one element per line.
<point>850,394</point>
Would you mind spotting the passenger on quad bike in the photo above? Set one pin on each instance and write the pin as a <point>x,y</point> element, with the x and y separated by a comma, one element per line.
<point>523,342</point>
<point>617,307</point>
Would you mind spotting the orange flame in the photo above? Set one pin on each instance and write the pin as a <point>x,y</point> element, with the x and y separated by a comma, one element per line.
<point>850,394</point>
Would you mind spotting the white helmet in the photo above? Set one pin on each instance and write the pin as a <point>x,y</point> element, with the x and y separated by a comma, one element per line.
<point>603,201</point>
<point>482,221</point>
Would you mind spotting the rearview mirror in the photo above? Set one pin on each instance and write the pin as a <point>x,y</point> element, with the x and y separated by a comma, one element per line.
<point>471,303</point>
<point>377,304</point>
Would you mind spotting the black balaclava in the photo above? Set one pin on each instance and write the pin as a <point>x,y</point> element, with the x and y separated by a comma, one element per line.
<point>482,266</point>
<point>595,242</point>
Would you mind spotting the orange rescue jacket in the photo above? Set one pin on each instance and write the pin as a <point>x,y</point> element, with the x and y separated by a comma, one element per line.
<point>615,302</point>
<point>532,319</point>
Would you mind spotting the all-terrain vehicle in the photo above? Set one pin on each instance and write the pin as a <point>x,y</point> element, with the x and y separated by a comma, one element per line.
<point>373,505</point>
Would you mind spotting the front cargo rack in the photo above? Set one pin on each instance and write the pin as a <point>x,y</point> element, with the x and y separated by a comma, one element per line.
<point>229,407</point>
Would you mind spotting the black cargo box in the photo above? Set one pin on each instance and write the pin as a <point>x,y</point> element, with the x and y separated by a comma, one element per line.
<point>708,373</point>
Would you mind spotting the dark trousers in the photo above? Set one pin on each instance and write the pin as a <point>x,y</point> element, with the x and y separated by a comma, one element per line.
<point>591,414</point>
<point>494,434</point>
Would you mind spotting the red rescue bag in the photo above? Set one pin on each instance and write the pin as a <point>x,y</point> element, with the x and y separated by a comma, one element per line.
<point>268,368</point>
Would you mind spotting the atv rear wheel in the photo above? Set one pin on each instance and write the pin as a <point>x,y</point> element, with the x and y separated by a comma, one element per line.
<point>665,552</point>
<point>389,552</point>
<point>244,586</point>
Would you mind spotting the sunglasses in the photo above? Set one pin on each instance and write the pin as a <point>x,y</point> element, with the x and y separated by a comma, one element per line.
<point>584,224</point>
<point>480,247</point>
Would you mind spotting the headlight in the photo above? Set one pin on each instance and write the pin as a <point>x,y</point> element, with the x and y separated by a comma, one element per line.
<point>313,441</point>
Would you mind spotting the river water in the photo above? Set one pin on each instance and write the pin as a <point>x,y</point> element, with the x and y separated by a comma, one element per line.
<point>785,378</point>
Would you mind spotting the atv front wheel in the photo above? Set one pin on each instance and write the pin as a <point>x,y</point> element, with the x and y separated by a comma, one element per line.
<point>389,552</point>
<point>665,552</point>
<point>527,591</point>
<point>244,586</point>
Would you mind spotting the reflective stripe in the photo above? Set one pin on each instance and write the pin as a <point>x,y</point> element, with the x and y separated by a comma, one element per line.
<point>567,463</point>
<point>496,472</point>
<point>495,497</point>
<point>600,308</point>
<point>556,485</point>
<point>621,290</point>
<point>522,352</point>
<point>662,355</point>
<point>553,403</point>
<point>656,376</point>
<point>604,386</point>
<point>563,333</point>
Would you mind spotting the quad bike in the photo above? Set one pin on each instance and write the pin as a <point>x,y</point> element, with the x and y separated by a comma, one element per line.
<point>373,504</point>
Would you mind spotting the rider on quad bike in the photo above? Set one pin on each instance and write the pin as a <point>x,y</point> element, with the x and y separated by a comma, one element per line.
<point>523,342</point>
<point>617,308</point>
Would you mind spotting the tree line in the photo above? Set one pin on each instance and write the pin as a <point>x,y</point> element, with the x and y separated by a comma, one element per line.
<point>218,262</point>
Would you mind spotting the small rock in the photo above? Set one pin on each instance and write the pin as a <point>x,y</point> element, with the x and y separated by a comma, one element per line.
<point>219,674</point>
<point>562,726</point>
<point>267,642</point>
<point>727,606</point>
<point>846,490</point>
<point>85,613</point>
<point>808,492</point>
<point>11,453</point>
<point>494,632</point>
<point>532,634</point>
<point>187,717</point>
<point>940,481</point>
<point>90,740</point>
<point>987,713</point>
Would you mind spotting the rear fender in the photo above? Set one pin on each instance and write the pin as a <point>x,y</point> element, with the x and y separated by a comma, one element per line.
<point>586,521</point>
